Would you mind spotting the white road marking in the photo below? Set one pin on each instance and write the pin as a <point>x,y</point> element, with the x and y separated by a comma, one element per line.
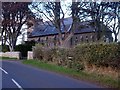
<point>12,79</point>
<point>17,84</point>
<point>3,70</point>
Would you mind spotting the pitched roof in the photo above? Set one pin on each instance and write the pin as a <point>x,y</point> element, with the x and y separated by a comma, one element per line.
<point>45,30</point>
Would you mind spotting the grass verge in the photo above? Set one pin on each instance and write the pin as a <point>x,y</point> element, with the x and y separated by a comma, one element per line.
<point>7,58</point>
<point>106,81</point>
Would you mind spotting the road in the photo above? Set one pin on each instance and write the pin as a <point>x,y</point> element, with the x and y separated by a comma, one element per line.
<point>17,75</point>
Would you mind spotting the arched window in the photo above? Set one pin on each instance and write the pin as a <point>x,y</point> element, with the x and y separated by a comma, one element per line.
<point>87,39</point>
<point>76,40</point>
<point>46,41</point>
<point>55,40</point>
<point>39,39</point>
<point>42,42</point>
<point>46,38</point>
<point>71,41</point>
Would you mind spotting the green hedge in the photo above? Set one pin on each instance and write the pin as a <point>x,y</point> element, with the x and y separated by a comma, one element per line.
<point>4,48</point>
<point>99,54</point>
<point>59,56</point>
<point>24,48</point>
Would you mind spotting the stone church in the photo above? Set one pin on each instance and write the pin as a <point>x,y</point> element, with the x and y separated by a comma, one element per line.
<point>47,35</point>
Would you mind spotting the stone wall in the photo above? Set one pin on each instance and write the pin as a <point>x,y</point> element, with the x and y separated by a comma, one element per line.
<point>30,55</point>
<point>11,54</point>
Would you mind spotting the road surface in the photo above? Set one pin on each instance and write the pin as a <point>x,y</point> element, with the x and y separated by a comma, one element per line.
<point>17,75</point>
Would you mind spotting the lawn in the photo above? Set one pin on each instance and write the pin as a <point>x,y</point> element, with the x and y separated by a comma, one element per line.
<point>105,81</point>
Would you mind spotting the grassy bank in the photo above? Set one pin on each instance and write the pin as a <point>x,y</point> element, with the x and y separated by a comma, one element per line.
<point>7,58</point>
<point>99,79</point>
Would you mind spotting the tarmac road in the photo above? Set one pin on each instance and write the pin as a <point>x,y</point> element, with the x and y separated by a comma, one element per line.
<point>17,75</point>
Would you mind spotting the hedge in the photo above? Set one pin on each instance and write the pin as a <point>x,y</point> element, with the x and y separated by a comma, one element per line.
<point>56,55</point>
<point>99,54</point>
<point>4,48</point>
<point>24,48</point>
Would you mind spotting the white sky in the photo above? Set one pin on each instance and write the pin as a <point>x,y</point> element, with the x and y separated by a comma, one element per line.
<point>23,36</point>
<point>119,36</point>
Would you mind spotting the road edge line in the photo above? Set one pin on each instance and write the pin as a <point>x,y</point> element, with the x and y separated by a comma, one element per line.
<point>4,70</point>
<point>17,84</point>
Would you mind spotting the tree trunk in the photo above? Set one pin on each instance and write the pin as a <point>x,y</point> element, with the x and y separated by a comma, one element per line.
<point>12,44</point>
<point>116,39</point>
<point>11,48</point>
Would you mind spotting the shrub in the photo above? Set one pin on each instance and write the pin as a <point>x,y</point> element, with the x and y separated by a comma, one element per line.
<point>59,56</point>
<point>24,48</point>
<point>38,52</point>
<point>4,48</point>
<point>98,54</point>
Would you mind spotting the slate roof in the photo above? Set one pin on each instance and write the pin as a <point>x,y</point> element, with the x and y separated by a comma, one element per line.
<point>45,30</point>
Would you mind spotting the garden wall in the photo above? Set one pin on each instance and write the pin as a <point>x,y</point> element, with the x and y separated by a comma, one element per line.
<point>16,55</point>
<point>30,55</point>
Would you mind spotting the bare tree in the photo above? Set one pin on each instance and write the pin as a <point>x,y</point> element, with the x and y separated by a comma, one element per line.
<point>55,14</point>
<point>104,14</point>
<point>14,15</point>
<point>99,12</point>
<point>115,17</point>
